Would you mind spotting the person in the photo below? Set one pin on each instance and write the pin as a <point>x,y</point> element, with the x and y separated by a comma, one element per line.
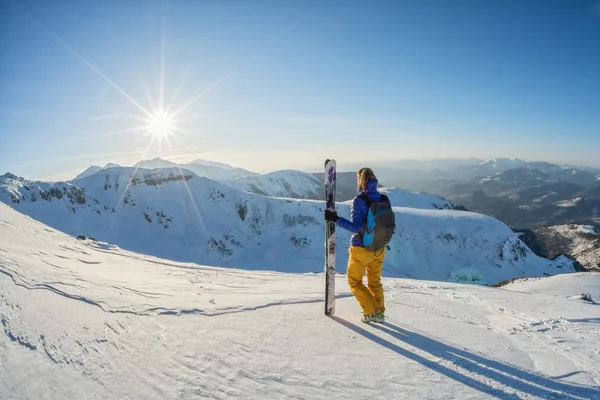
<point>371,297</point>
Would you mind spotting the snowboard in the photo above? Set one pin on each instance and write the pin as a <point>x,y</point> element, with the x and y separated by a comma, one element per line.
<point>330,172</point>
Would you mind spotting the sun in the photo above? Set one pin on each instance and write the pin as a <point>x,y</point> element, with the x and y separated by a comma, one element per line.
<point>161,124</point>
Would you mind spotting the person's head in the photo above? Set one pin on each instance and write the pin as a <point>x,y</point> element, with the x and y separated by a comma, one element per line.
<point>362,178</point>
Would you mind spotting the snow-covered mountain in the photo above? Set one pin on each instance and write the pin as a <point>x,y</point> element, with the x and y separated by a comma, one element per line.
<point>302,185</point>
<point>180,216</point>
<point>530,197</point>
<point>208,169</point>
<point>425,201</point>
<point>93,169</point>
<point>216,171</point>
<point>156,163</point>
<point>496,165</point>
<point>580,242</point>
<point>208,163</point>
<point>87,320</point>
<point>287,183</point>
<point>89,172</point>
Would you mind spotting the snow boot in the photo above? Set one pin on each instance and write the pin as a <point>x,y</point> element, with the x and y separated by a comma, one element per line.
<point>367,318</point>
<point>379,317</point>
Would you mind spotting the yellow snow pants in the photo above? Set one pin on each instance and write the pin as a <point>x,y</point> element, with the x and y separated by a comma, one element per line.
<point>359,261</point>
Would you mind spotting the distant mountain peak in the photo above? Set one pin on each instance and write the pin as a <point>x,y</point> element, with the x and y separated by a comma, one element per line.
<point>111,165</point>
<point>88,172</point>
<point>154,161</point>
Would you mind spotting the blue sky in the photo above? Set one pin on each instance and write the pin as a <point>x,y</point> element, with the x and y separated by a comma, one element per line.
<point>284,84</point>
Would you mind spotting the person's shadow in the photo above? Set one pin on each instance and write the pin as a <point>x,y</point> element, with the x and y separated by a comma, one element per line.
<point>478,364</point>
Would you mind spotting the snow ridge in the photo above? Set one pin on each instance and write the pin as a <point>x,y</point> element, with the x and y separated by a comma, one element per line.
<point>175,214</point>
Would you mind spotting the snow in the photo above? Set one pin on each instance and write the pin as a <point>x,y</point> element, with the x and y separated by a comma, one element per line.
<point>569,203</point>
<point>545,197</point>
<point>94,169</point>
<point>302,185</point>
<point>85,320</point>
<point>174,214</point>
<point>287,183</point>
<point>405,198</point>
<point>89,172</point>
<point>208,169</point>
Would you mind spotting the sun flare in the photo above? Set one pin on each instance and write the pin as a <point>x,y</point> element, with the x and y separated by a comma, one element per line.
<point>161,124</point>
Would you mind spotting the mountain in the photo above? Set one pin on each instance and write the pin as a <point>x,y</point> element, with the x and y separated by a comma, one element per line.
<point>425,201</point>
<point>81,319</point>
<point>345,184</point>
<point>287,183</point>
<point>156,163</point>
<point>206,163</point>
<point>580,242</point>
<point>209,169</point>
<point>89,172</point>
<point>302,185</point>
<point>522,185</point>
<point>177,215</point>
<point>496,165</point>
<point>437,176</point>
<point>425,164</point>
<point>216,171</point>
<point>93,169</point>
<point>111,165</point>
<point>528,197</point>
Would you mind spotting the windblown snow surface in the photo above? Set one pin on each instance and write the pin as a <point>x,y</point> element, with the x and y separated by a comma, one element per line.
<point>87,320</point>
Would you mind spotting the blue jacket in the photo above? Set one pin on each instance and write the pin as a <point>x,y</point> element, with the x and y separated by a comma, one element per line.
<point>358,214</point>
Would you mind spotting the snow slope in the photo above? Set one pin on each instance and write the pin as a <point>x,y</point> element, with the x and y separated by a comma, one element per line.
<point>93,169</point>
<point>87,320</point>
<point>207,169</point>
<point>405,198</point>
<point>287,183</point>
<point>179,216</point>
<point>303,185</point>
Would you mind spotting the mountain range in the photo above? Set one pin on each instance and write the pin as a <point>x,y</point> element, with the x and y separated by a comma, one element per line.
<point>173,213</point>
<point>524,195</point>
<point>209,169</point>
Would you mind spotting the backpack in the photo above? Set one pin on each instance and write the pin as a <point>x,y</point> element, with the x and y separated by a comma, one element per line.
<point>381,223</point>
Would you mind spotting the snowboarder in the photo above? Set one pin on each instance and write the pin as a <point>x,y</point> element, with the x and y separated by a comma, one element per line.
<point>367,245</point>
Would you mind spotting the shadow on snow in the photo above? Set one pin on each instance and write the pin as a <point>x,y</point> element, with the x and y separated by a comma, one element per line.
<point>490,370</point>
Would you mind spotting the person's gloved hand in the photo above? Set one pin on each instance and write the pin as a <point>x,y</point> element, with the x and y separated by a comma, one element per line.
<point>331,216</point>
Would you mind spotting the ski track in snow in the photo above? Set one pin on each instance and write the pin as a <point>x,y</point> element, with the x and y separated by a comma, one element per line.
<point>135,327</point>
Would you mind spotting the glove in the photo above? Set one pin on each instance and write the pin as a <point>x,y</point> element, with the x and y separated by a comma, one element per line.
<point>331,216</point>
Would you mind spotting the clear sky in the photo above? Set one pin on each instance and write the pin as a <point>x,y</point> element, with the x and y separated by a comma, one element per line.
<point>269,85</point>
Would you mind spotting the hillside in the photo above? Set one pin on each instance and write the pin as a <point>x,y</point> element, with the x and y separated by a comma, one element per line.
<point>83,319</point>
<point>288,183</point>
<point>528,197</point>
<point>302,185</point>
<point>208,169</point>
<point>405,198</point>
<point>580,242</point>
<point>186,218</point>
<point>93,169</point>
